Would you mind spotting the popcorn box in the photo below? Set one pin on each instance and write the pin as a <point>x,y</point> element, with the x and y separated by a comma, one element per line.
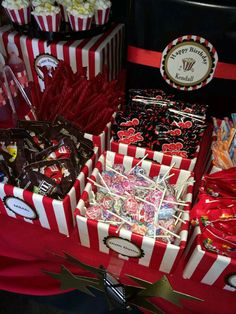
<point>93,53</point>
<point>80,24</point>
<point>102,16</point>
<point>20,16</point>
<point>49,23</point>
<point>208,267</point>
<point>52,214</point>
<point>123,243</point>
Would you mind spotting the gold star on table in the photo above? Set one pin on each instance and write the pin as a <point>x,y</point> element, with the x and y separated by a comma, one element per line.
<point>116,293</point>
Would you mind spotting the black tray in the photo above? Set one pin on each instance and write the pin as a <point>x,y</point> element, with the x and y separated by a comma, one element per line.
<point>32,30</point>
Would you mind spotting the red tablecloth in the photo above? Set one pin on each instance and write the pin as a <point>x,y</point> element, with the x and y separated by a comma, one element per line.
<point>26,250</point>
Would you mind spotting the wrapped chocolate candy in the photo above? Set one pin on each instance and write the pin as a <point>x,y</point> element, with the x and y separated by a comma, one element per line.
<point>36,130</point>
<point>5,176</point>
<point>60,171</point>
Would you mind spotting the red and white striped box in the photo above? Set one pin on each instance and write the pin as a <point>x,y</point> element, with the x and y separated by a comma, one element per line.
<point>49,23</point>
<point>44,211</point>
<point>102,141</point>
<point>80,24</point>
<point>208,267</point>
<point>159,157</point>
<point>101,16</point>
<point>93,53</point>
<point>197,164</point>
<point>20,16</point>
<point>133,247</point>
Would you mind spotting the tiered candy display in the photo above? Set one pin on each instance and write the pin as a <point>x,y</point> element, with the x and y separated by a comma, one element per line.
<point>132,200</point>
<point>224,145</point>
<point>216,212</point>
<point>157,121</point>
<point>43,157</point>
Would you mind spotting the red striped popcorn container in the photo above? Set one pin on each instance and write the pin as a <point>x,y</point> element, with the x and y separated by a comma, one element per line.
<point>208,267</point>
<point>125,244</point>
<point>80,24</point>
<point>48,213</point>
<point>101,16</point>
<point>49,23</point>
<point>20,16</point>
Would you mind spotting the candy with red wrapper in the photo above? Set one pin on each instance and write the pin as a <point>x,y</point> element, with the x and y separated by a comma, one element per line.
<point>220,184</point>
<point>157,121</point>
<point>88,104</point>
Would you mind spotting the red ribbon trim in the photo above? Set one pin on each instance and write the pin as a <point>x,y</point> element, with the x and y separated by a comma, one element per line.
<point>153,59</point>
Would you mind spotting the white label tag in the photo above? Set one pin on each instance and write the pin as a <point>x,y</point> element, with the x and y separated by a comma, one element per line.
<point>123,247</point>
<point>19,207</point>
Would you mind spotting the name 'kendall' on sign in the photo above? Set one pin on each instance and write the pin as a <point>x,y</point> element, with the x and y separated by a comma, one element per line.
<point>188,62</point>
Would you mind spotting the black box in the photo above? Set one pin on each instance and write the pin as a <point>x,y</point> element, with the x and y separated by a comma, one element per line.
<point>154,25</point>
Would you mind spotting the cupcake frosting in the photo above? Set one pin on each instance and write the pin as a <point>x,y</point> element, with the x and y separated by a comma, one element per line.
<point>102,4</point>
<point>81,9</point>
<point>15,4</point>
<point>46,9</point>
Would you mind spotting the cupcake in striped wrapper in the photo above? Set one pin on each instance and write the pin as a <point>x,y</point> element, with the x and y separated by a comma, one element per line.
<point>102,10</point>
<point>18,11</point>
<point>48,17</point>
<point>80,16</point>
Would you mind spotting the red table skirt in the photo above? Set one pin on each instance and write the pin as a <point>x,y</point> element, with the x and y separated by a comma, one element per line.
<point>27,250</point>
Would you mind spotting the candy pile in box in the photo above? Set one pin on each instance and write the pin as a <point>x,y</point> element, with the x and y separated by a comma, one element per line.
<point>211,255</point>
<point>166,130</point>
<point>44,167</point>
<point>90,105</point>
<point>137,209</point>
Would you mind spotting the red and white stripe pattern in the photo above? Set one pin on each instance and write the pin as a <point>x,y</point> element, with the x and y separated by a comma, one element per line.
<point>20,16</point>
<point>161,158</point>
<point>101,16</point>
<point>80,24</point>
<point>52,214</point>
<point>158,255</point>
<point>64,13</point>
<point>49,23</point>
<point>93,53</point>
<point>102,141</point>
<point>207,267</point>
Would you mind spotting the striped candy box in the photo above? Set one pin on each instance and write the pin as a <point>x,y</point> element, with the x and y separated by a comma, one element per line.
<point>102,141</point>
<point>198,164</point>
<point>209,268</point>
<point>202,156</point>
<point>93,53</point>
<point>42,210</point>
<point>125,244</point>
